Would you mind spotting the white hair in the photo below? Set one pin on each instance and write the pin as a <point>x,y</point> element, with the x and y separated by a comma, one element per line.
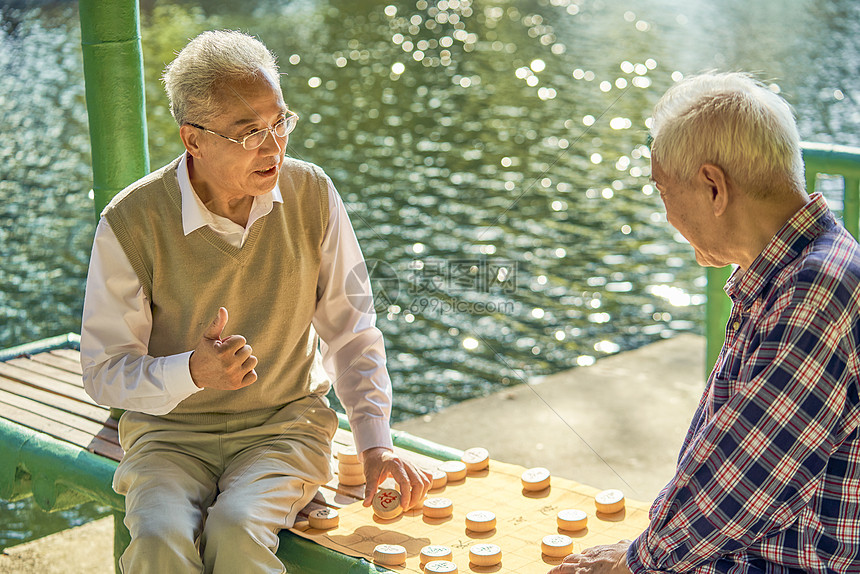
<point>735,122</point>
<point>209,61</point>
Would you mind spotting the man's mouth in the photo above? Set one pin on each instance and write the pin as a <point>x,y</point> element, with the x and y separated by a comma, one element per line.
<point>267,172</point>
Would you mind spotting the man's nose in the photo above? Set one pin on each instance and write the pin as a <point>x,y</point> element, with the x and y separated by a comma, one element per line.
<point>270,135</point>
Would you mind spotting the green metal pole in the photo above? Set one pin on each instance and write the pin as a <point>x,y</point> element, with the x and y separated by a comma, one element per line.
<point>116,108</point>
<point>113,72</point>
<point>717,313</point>
<point>851,205</point>
<point>811,179</point>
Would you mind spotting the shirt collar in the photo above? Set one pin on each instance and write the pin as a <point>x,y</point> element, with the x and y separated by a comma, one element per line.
<point>800,230</point>
<point>194,213</point>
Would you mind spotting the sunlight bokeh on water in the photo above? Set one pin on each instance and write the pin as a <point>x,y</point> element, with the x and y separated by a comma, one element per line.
<point>492,156</point>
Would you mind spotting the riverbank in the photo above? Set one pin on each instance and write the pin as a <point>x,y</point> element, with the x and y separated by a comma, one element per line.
<point>616,424</point>
<point>85,549</point>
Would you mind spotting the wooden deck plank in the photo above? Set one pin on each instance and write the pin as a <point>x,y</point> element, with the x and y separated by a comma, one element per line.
<point>47,370</point>
<point>58,361</point>
<point>94,413</point>
<point>69,420</point>
<point>106,443</point>
<point>71,354</point>
<point>45,383</point>
<point>42,424</point>
<point>59,431</point>
<point>105,449</point>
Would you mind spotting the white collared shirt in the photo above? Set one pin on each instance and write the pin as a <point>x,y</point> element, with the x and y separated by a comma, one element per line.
<point>117,323</point>
<point>195,215</point>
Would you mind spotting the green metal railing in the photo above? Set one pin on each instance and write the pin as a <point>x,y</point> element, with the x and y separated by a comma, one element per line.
<point>819,159</point>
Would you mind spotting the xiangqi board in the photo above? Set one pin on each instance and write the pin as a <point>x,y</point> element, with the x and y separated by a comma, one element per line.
<point>524,519</point>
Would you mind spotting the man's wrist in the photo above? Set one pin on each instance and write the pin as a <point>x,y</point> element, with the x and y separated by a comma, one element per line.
<point>631,557</point>
<point>371,432</point>
<point>177,370</point>
<point>374,451</point>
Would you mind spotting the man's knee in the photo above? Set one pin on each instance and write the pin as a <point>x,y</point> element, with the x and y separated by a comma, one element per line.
<point>231,521</point>
<point>161,545</point>
<point>161,526</point>
<point>151,536</point>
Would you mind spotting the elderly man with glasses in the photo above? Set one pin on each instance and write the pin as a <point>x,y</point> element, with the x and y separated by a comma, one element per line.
<point>227,430</point>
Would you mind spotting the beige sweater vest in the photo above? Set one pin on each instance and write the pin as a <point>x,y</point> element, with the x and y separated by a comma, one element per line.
<point>268,286</point>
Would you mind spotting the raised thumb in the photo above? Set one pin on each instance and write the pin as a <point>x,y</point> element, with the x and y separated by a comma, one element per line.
<point>216,327</point>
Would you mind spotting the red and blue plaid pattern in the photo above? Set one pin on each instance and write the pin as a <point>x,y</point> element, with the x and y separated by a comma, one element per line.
<point>768,479</point>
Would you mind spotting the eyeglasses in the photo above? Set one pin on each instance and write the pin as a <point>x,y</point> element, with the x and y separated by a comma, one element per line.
<point>255,139</point>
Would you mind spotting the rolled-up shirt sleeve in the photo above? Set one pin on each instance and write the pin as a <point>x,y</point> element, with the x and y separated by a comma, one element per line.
<point>753,467</point>
<point>115,330</point>
<point>353,349</point>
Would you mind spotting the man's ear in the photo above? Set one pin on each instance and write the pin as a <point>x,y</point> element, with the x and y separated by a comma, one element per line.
<point>191,137</point>
<point>713,178</point>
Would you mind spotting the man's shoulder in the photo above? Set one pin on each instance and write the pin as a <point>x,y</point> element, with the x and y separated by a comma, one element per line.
<point>826,275</point>
<point>299,171</point>
<point>304,187</point>
<point>834,254</point>
<point>148,184</point>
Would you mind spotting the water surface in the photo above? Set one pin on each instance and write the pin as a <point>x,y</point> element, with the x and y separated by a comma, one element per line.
<point>491,155</point>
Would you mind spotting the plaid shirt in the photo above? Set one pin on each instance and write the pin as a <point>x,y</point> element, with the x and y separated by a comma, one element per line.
<point>768,479</point>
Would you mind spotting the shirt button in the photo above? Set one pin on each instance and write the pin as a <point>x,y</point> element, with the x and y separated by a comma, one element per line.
<point>736,325</point>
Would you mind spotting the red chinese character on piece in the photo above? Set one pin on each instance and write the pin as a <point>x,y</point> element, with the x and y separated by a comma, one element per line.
<point>386,498</point>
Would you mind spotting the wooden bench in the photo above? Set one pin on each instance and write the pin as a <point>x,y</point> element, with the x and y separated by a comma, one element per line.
<point>57,445</point>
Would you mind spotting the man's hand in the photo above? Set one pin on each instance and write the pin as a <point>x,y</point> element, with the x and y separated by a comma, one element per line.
<point>380,463</point>
<point>609,559</point>
<point>225,364</point>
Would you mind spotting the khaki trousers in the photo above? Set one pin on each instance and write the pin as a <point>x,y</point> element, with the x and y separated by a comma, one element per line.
<point>212,498</point>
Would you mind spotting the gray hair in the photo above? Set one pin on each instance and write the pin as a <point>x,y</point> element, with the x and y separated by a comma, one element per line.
<point>734,122</point>
<point>211,60</point>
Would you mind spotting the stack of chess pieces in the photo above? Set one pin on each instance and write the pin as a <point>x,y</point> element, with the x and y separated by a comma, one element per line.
<point>350,472</point>
<point>436,558</point>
